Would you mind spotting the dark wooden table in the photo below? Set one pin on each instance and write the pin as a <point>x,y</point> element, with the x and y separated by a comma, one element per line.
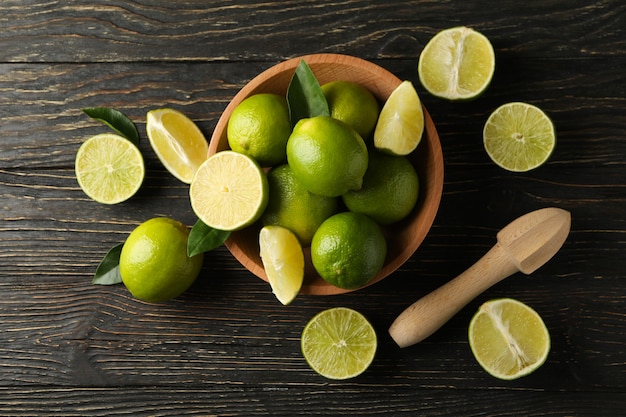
<point>227,347</point>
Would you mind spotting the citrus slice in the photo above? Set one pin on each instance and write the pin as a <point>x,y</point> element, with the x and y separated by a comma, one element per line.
<point>401,121</point>
<point>229,191</point>
<point>508,338</point>
<point>109,168</point>
<point>519,137</point>
<point>283,261</point>
<point>339,343</point>
<point>457,64</point>
<point>177,141</point>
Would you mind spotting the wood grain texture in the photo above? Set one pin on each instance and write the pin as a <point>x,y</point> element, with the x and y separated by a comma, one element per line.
<point>192,30</point>
<point>227,347</point>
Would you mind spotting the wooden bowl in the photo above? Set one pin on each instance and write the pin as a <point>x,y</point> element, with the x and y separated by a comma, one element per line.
<point>404,237</point>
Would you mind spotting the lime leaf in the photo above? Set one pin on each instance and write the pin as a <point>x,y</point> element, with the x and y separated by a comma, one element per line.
<point>203,238</point>
<point>116,120</point>
<point>108,272</point>
<point>305,97</point>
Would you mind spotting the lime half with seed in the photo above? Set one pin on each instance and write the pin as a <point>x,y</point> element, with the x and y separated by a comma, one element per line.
<point>339,343</point>
<point>229,191</point>
<point>109,168</point>
<point>519,137</point>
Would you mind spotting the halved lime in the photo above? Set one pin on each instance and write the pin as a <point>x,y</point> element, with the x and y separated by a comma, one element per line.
<point>229,191</point>
<point>177,141</point>
<point>508,338</point>
<point>109,168</point>
<point>457,64</point>
<point>283,260</point>
<point>339,343</point>
<point>519,137</point>
<point>401,121</point>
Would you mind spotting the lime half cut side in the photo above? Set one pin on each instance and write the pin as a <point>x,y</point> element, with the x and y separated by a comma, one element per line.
<point>283,261</point>
<point>519,137</point>
<point>109,168</point>
<point>400,124</point>
<point>508,338</point>
<point>177,141</point>
<point>229,191</point>
<point>339,343</point>
<point>457,64</point>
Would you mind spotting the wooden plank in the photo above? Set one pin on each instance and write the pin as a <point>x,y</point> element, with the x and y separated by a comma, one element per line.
<point>83,336</point>
<point>265,399</point>
<point>43,125</point>
<point>192,30</point>
<point>52,238</point>
<point>59,329</point>
<point>227,347</point>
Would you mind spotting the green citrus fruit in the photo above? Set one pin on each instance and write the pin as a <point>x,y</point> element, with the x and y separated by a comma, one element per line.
<point>283,261</point>
<point>292,206</point>
<point>327,156</point>
<point>259,127</point>
<point>519,137</point>
<point>154,264</point>
<point>390,189</point>
<point>348,250</point>
<point>457,64</point>
<point>400,125</point>
<point>177,141</point>
<point>508,338</point>
<point>229,191</point>
<point>109,168</point>
<point>339,343</point>
<point>353,104</point>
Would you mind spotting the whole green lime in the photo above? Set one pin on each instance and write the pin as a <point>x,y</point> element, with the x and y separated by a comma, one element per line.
<point>348,250</point>
<point>154,264</point>
<point>390,189</point>
<point>292,206</point>
<point>353,104</point>
<point>327,156</point>
<point>260,127</point>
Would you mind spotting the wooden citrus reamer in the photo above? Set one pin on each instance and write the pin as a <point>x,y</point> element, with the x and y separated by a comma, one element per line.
<point>523,245</point>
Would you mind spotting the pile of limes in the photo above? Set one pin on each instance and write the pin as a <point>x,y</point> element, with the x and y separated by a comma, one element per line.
<point>331,180</point>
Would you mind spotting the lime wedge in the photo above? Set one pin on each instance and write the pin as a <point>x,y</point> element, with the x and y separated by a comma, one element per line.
<point>457,64</point>
<point>283,261</point>
<point>229,191</point>
<point>339,343</point>
<point>177,141</point>
<point>401,121</point>
<point>519,137</point>
<point>109,168</point>
<point>508,338</point>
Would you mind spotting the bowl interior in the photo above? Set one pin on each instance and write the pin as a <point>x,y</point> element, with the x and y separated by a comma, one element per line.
<point>404,237</point>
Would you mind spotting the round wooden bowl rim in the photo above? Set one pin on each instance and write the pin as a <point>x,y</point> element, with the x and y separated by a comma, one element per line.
<point>431,187</point>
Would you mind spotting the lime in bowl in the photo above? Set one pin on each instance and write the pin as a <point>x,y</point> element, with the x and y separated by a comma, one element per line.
<point>403,237</point>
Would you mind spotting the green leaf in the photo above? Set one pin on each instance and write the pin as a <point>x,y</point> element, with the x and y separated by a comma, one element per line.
<point>116,120</point>
<point>108,272</point>
<point>305,97</point>
<point>203,238</point>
